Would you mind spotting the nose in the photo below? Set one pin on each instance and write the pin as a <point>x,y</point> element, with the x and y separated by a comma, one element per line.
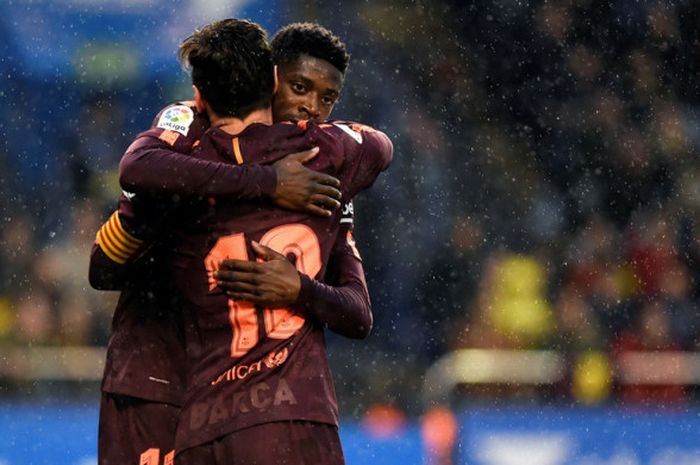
<point>311,108</point>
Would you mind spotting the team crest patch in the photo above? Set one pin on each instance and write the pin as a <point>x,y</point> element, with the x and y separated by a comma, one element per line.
<point>275,359</point>
<point>177,118</point>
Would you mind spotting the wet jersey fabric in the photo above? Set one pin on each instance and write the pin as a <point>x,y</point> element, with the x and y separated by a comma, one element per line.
<point>135,431</point>
<point>252,365</point>
<point>146,351</point>
<point>146,346</point>
<point>288,442</point>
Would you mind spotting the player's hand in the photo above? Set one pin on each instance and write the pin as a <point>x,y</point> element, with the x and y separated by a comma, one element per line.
<point>272,283</point>
<point>302,189</point>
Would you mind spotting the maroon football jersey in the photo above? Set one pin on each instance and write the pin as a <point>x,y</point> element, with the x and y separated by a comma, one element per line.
<point>146,349</point>
<point>254,365</point>
<point>146,345</point>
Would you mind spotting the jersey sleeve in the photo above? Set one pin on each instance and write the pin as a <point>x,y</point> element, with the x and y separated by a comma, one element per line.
<point>104,274</point>
<point>158,161</point>
<point>368,152</point>
<point>343,304</point>
<point>118,242</point>
<point>130,231</point>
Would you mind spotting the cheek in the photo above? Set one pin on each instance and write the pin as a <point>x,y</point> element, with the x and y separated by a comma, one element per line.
<point>326,111</point>
<point>285,100</point>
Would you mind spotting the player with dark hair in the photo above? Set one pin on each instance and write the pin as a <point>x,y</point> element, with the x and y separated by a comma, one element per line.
<point>259,389</point>
<point>211,66</point>
<point>144,369</point>
<point>311,65</point>
<point>312,39</point>
<point>310,60</point>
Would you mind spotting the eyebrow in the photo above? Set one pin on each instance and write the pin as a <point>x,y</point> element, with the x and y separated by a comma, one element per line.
<point>298,77</point>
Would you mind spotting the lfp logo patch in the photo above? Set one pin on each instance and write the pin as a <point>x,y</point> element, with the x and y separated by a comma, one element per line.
<point>177,118</point>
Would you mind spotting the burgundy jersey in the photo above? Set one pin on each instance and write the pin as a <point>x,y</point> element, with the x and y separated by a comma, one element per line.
<point>254,365</point>
<point>146,345</point>
<point>146,350</point>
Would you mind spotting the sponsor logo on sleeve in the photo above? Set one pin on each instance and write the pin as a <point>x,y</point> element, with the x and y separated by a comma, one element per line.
<point>177,118</point>
<point>348,214</point>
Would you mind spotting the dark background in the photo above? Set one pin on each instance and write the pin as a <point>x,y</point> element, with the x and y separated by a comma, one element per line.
<point>543,194</point>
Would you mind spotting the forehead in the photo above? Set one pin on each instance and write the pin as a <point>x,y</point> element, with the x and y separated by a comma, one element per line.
<point>313,69</point>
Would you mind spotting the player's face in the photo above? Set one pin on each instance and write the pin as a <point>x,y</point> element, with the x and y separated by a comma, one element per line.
<point>308,89</point>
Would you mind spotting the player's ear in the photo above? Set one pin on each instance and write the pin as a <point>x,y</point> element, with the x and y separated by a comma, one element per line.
<point>277,81</point>
<point>198,100</point>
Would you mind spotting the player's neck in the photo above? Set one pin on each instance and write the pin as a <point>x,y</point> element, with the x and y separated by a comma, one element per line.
<point>233,125</point>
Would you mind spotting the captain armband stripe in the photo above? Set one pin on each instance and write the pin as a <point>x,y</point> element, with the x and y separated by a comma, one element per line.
<point>111,247</point>
<point>115,241</point>
<point>108,248</point>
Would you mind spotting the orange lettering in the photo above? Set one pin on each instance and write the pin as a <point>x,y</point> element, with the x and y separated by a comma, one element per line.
<point>242,315</point>
<point>240,373</point>
<point>301,241</point>
<point>150,457</point>
<point>169,137</point>
<point>295,239</point>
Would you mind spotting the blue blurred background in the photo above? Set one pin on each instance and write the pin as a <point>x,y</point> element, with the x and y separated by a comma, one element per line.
<point>532,253</point>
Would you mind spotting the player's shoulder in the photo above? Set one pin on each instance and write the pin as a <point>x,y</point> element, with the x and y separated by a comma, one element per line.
<point>347,130</point>
<point>183,107</point>
<point>181,117</point>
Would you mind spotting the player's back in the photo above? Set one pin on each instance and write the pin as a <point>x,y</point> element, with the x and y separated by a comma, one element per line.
<point>146,346</point>
<point>252,365</point>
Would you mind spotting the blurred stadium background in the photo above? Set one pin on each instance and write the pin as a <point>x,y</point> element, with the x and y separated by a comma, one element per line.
<point>532,253</point>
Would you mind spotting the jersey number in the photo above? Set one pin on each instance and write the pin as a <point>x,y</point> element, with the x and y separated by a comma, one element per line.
<point>279,323</point>
<point>152,457</point>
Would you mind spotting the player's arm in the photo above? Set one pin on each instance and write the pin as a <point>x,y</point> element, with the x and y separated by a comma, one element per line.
<point>104,274</point>
<point>367,153</point>
<point>159,160</point>
<point>342,305</point>
<point>156,162</point>
<point>118,242</point>
<point>275,283</point>
<point>153,164</point>
<point>108,261</point>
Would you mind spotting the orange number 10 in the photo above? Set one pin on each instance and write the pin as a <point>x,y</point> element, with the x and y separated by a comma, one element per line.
<point>152,457</point>
<point>296,239</point>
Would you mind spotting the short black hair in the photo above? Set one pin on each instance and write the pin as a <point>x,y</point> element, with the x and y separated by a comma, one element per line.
<point>231,65</point>
<point>312,39</point>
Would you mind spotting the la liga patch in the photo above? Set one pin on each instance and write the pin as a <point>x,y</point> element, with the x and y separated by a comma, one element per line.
<point>177,118</point>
